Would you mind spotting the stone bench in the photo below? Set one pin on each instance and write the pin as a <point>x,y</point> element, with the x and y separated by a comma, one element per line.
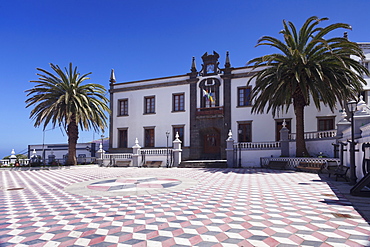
<point>277,165</point>
<point>340,172</point>
<point>311,166</point>
<point>122,163</point>
<point>153,163</point>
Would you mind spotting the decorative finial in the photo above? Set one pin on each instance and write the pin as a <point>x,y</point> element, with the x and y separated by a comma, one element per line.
<point>227,62</point>
<point>177,135</point>
<point>361,105</point>
<point>12,154</point>
<point>284,124</point>
<point>193,67</point>
<point>136,146</point>
<point>112,77</point>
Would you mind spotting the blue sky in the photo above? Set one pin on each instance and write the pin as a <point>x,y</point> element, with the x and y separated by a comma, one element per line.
<point>140,40</point>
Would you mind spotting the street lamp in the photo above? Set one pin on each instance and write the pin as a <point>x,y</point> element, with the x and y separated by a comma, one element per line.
<point>167,135</point>
<point>102,141</point>
<point>352,106</point>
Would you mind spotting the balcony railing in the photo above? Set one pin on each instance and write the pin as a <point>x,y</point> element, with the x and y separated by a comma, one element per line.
<point>207,111</point>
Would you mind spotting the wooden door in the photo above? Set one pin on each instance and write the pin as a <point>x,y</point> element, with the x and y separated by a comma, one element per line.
<point>212,143</point>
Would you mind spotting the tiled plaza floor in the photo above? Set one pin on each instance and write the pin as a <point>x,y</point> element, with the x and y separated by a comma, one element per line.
<point>95,206</point>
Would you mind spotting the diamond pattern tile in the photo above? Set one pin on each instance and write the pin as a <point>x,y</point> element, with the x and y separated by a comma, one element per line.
<point>96,206</point>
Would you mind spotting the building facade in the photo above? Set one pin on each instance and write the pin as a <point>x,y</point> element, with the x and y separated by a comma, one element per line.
<point>202,107</point>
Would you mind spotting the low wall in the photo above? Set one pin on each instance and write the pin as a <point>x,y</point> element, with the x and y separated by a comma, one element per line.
<point>251,158</point>
<point>294,161</point>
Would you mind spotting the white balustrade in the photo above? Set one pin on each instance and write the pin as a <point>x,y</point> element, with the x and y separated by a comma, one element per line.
<point>316,135</point>
<point>118,156</point>
<point>258,145</point>
<point>162,151</point>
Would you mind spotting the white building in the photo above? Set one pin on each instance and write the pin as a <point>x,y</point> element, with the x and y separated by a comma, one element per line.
<point>202,106</point>
<point>365,46</point>
<point>85,152</point>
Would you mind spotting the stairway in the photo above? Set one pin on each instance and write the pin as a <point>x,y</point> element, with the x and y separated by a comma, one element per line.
<point>203,164</point>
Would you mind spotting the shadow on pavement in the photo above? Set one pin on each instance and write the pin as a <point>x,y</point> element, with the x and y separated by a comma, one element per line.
<point>342,189</point>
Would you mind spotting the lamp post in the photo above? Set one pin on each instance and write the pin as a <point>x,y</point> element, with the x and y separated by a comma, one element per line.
<point>167,135</point>
<point>240,131</point>
<point>102,140</point>
<point>352,105</point>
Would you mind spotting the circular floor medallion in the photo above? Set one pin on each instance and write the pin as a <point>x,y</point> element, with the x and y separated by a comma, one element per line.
<point>132,184</point>
<point>125,186</point>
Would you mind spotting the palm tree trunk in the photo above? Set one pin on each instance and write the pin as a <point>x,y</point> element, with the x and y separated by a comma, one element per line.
<point>301,150</point>
<point>72,132</point>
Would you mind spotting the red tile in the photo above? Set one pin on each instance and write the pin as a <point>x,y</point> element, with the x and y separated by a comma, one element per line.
<point>221,236</point>
<point>326,245</point>
<point>141,244</point>
<point>245,243</point>
<point>152,234</point>
<point>291,229</point>
<point>287,221</point>
<point>129,222</point>
<point>362,230</point>
<point>114,230</point>
<point>211,216</point>
<point>195,240</point>
<point>87,233</point>
<point>246,234</point>
<point>125,237</point>
<point>342,233</point>
<point>168,242</point>
<point>267,223</point>
<point>227,220</point>
<point>207,222</point>
<point>68,243</point>
<point>224,227</point>
<point>312,227</point>
<point>271,242</point>
<point>177,232</point>
<point>296,239</point>
<point>269,231</point>
<point>246,225</point>
<point>202,230</point>
<point>37,236</point>
<point>217,245</point>
<point>97,240</point>
<point>185,224</point>
<point>320,236</point>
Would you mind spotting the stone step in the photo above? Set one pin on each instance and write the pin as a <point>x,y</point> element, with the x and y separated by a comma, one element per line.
<point>203,164</point>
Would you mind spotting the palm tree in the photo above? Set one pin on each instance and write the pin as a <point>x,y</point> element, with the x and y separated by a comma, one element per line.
<point>60,98</point>
<point>307,68</point>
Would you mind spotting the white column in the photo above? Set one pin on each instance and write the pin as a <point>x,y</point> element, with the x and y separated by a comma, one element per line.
<point>135,153</point>
<point>230,150</point>
<point>177,151</point>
